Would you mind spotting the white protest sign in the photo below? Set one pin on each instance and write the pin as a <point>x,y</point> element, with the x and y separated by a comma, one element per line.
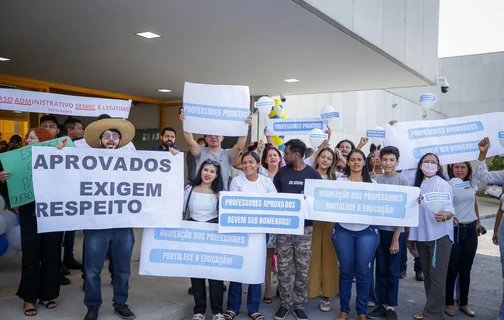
<point>85,188</point>
<point>289,127</point>
<point>365,203</point>
<point>435,201</point>
<point>276,213</point>
<point>375,134</point>
<point>216,109</point>
<point>42,102</point>
<point>452,140</point>
<point>81,143</point>
<point>197,250</point>
<point>328,112</point>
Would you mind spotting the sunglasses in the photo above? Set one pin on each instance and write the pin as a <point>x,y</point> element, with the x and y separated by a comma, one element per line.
<point>340,168</point>
<point>114,136</point>
<point>215,163</point>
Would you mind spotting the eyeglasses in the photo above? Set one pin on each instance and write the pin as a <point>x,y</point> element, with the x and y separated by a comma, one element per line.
<point>429,162</point>
<point>114,136</point>
<point>340,168</point>
<point>215,163</point>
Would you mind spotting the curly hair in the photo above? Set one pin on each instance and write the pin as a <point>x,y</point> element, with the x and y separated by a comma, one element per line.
<point>41,133</point>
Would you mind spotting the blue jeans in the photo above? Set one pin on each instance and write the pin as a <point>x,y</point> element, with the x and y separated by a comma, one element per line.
<point>388,269</point>
<point>356,251</point>
<point>372,292</point>
<point>235,297</point>
<point>83,268</point>
<point>501,247</point>
<point>97,243</point>
<point>68,245</point>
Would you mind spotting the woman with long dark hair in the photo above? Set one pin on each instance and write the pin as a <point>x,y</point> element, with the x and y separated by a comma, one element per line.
<point>354,239</point>
<point>433,237</point>
<point>40,269</point>
<point>323,275</point>
<point>201,204</point>
<point>252,182</point>
<point>466,237</point>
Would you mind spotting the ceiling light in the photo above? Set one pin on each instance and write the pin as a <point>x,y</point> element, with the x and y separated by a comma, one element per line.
<point>4,59</point>
<point>148,35</point>
<point>291,80</point>
<point>164,90</point>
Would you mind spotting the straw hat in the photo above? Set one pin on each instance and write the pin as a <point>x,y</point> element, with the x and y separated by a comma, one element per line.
<point>105,122</point>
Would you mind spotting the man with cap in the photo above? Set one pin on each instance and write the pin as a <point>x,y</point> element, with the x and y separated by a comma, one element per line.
<point>108,133</point>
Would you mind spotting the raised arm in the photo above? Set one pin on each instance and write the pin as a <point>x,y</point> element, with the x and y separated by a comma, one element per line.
<point>481,173</point>
<point>268,138</point>
<point>238,147</point>
<point>193,145</point>
<point>362,142</point>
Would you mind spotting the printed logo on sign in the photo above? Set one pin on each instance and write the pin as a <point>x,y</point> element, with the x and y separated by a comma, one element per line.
<point>318,136</point>
<point>215,112</point>
<point>259,221</point>
<point>375,133</point>
<point>437,196</point>
<point>363,202</point>
<point>462,185</point>
<point>446,149</point>
<point>89,107</point>
<point>202,236</point>
<point>329,115</point>
<point>298,126</point>
<point>259,203</point>
<point>196,258</point>
<point>259,104</point>
<point>443,131</point>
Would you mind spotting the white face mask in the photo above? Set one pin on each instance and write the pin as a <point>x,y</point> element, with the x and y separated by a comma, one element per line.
<point>429,169</point>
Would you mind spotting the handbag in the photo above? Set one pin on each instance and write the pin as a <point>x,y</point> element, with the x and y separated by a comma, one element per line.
<point>186,215</point>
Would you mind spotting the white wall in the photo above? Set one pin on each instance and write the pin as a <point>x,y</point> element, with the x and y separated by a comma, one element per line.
<point>405,29</point>
<point>476,85</point>
<point>359,111</point>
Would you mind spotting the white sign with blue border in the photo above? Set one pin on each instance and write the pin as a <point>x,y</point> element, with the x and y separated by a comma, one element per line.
<point>198,250</point>
<point>375,133</point>
<point>452,140</point>
<point>216,109</point>
<point>290,127</point>
<point>364,203</point>
<point>275,213</point>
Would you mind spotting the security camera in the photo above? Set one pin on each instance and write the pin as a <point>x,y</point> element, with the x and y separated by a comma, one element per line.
<point>283,98</point>
<point>443,83</point>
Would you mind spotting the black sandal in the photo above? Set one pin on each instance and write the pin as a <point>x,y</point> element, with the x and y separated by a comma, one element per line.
<point>257,316</point>
<point>267,300</point>
<point>229,315</point>
<point>49,304</point>
<point>29,312</point>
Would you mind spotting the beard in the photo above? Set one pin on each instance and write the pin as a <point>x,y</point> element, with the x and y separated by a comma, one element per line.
<point>168,144</point>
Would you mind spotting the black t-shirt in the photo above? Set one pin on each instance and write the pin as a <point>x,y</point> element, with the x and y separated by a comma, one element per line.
<point>288,180</point>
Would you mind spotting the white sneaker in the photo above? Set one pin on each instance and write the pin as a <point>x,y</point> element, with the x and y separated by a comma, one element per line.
<point>371,304</point>
<point>325,305</point>
<point>218,316</point>
<point>198,316</point>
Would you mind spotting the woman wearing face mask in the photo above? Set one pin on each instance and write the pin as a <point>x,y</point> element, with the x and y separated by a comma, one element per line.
<point>250,182</point>
<point>351,240</point>
<point>201,204</point>
<point>40,270</point>
<point>323,276</point>
<point>433,237</point>
<point>271,161</point>
<point>466,237</point>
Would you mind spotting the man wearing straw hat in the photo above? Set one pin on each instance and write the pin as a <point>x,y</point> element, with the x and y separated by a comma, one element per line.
<point>108,133</point>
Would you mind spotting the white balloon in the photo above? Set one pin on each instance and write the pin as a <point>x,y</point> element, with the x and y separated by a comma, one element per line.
<point>317,136</point>
<point>435,206</point>
<point>3,225</point>
<point>327,109</point>
<point>11,219</point>
<point>378,141</point>
<point>264,105</point>
<point>455,181</point>
<point>10,253</point>
<point>14,237</point>
<point>427,101</point>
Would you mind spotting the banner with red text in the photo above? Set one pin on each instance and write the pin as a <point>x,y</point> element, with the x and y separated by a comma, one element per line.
<point>42,102</point>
